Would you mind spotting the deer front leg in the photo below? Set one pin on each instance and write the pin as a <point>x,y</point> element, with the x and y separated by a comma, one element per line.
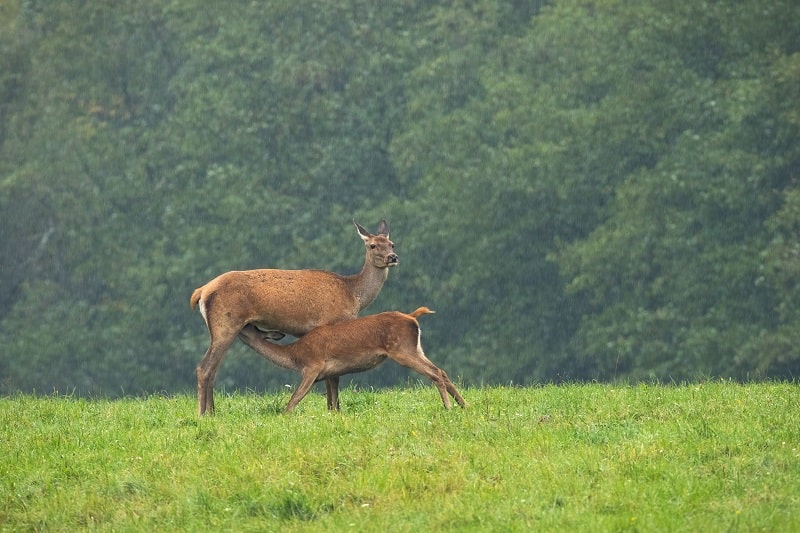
<point>309,378</point>
<point>332,392</point>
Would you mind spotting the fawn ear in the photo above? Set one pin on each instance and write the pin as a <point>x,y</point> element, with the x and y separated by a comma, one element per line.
<point>364,234</point>
<point>383,229</point>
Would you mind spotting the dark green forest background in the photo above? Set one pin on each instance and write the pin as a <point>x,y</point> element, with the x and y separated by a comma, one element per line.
<point>583,190</point>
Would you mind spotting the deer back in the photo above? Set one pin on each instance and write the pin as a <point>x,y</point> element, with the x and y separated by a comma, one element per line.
<point>291,301</point>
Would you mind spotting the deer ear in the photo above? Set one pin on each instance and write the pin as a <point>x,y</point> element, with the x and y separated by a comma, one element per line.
<point>361,231</point>
<point>383,229</point>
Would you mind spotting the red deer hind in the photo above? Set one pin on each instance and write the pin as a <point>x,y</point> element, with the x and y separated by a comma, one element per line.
<point>281,302</point>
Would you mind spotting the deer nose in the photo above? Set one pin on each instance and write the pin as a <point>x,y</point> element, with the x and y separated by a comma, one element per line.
<point>392,258</point>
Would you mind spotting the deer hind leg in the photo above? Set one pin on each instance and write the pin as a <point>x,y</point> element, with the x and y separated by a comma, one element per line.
<point>207,370</point>
<point>418,362</point>
<point>332,392</point>
<point>451,388</point>
<point>309,378</point>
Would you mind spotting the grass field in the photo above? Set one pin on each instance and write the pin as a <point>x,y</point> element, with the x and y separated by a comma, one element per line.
<point>716,456</point>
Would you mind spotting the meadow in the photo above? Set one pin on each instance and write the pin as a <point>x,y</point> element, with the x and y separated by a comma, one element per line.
<point>713,456</point>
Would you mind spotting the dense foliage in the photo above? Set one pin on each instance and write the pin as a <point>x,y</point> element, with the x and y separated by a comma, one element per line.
<point>581,189</point>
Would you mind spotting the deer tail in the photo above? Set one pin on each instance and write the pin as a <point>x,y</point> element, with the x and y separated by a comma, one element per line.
<point>195,297</point>
<point>421,311</point>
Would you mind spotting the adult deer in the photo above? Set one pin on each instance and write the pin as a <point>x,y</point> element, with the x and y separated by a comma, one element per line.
<point>282,302</point>
<point>354,345</point>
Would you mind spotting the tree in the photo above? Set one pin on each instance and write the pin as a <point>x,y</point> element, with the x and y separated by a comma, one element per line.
<point>672,273</point>
<point>581,189</point>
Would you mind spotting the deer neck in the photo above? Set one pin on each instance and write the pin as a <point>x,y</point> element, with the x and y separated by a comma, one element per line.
<point>368,283</point>
<point>281,355</point>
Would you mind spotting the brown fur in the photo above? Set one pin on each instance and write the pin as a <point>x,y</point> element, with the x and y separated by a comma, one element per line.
<point>355,345</point>
<point>284,302</point>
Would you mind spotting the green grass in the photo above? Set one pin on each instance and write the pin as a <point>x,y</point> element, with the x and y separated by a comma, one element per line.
<point>716,456</point>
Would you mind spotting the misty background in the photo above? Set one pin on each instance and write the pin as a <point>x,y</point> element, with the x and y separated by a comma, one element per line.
<point>582,190</point>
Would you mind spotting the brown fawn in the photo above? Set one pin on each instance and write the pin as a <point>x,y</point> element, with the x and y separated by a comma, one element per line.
<point>354,345</point>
